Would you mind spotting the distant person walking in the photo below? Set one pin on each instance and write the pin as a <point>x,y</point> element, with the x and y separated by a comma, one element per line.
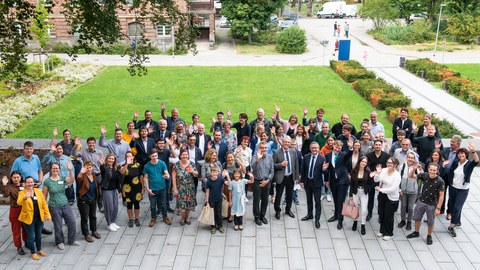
<point>334,28</point>
<point>347,29</point>
<point>338,30</point>
<point>337,45</point>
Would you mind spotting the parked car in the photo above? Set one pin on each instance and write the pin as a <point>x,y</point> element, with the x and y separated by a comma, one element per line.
<point>273,20</point>
<point>287,23</point>
<point>418,16</point>
<point>224,22</point>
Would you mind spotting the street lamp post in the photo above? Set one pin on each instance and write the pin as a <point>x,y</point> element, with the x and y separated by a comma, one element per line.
<point>438,28</point>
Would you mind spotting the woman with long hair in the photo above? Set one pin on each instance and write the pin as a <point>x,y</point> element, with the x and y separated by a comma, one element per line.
<point>360,183</point>
<point>111,187</point>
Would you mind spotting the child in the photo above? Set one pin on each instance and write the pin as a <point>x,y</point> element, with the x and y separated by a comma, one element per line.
<point>214,196</point>
<point>237,197</point>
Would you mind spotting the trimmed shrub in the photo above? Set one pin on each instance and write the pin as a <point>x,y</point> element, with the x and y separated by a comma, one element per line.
<point>292,40</point>
<point>381,94</point>
<point>351,71</point>
<point>464,88</point>
<point>445,128</point>
<point>432,71</point>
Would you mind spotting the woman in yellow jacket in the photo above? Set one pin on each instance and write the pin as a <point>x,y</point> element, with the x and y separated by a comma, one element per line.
<point>34,212</point>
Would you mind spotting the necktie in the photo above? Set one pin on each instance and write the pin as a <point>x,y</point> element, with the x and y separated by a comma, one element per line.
<point>335,159</point>
<point>310,171</point>
<point>288,160</point>
<point>162,135</point>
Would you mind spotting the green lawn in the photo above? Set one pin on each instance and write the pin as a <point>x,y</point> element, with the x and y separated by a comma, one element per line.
<point>115,95</point>
<point>471,71</point>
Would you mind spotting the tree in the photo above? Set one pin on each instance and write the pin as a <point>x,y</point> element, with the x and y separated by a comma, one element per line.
<point>381,12</point>
<point>464,27</point>
<point>408,7</point>
<point>309,8</point>
<point>249,15</point>
<point>40,25</point>
<point>97,23</point>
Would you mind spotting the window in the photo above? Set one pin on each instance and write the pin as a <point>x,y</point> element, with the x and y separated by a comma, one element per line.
<point>51,30</point>
<point>135,29</point>
<point>164,30</point>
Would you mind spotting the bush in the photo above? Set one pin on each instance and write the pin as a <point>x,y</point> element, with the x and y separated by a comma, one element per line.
<point>292,40</point>
<point>381,94</point>
<point>418,32</point>
<point>59,47</point>
<point>264,37</point>
<point>464,88</point>
<point>445,128</point>
<point>432,71</point>
<point>351,71</point>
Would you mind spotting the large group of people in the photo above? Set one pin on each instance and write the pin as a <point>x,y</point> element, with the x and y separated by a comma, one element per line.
<point>167,160</point>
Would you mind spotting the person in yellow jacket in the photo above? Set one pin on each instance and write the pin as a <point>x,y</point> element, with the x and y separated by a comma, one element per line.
<point>34,212</point>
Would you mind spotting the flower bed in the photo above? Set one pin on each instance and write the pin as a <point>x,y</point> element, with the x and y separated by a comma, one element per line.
<point>432,71</point>
<point>16,110</point>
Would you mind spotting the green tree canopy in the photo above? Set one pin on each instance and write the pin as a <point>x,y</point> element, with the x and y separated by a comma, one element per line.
<point>381,12</point>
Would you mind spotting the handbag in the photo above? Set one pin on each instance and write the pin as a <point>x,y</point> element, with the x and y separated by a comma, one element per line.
<point>350,210</point>
<point>224,206</point>
<point>207,216</point>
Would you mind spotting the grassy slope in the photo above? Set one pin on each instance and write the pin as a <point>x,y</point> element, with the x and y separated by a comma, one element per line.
<point>471,71</point>
<point>114,95</point>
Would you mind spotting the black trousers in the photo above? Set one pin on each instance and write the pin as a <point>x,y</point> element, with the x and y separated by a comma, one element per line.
<point>260,199</point>
<point>386,212</point>
<point>371,198</point>
<point>313,193</point>
<point>217,210</point>
<point>339,193</point>
<point>88,214</point>
<point>287,185</point>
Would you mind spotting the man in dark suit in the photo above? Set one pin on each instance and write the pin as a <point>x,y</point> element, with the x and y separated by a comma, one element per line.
<point>218,145</point>
<point>148,122</point>
<point>285,174</point>
<point>338,179</point>
<point>162,132</point>
<point>143,144</point>
<point>202,139</point>
<point>312,179</point>
<point>404,123</point>
<point>194,154</point>
<point>450,154</point>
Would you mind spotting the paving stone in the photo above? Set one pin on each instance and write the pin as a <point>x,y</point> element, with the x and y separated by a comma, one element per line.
<point>280,247</point>
<point>296,258</point>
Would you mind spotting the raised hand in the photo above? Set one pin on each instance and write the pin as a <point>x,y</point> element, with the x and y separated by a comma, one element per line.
<point>229,113</point>
<point>150,129</point>
<point>224,173</point>
<point>162,106</point>
<point>83,170</point>
<point>116,125</point>
<point>438,143</point>
<point>350,142</point>
<point>213,120</point>
<point>471,146</point>
<point>135,115</point>
<point>414,126</point>
<point>55,132</point>
<point>209,145</point>
<point>78,141</point>
<point>69,166</point>
<point>4,180</point>
<point>129,160</point>
<point>277,108</point>
<point>103,130</point>
<point>378,169</point>
<point>305,111</point>
<point>135,135</point>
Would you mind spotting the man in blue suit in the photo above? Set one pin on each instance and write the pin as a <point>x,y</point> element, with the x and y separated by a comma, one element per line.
<point>218,145</point>
<point>313,172</point>
<point>338,179</point>
<point>143,145</point>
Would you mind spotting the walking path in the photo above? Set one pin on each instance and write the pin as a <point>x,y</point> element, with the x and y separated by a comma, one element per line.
<point>286,243</point>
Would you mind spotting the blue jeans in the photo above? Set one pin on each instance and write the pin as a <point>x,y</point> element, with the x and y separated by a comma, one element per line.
<point>456,200</point>
<point>34,234</point>
<point>157,203</point>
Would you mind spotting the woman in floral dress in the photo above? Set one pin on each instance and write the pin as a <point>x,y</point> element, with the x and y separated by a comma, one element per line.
<point>183,173</point>
<point>132,188</point>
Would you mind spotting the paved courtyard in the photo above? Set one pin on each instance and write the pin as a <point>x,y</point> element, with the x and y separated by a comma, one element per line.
<point>282,244</point>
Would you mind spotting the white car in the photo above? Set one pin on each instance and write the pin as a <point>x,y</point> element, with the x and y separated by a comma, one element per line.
<point>224,22</point>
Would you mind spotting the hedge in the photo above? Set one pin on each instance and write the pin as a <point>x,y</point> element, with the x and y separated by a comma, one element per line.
<point>432,71</point>
<point>380,93</point>
<point>464,88</point>
<point>446,128</point>
<point>351,71</point>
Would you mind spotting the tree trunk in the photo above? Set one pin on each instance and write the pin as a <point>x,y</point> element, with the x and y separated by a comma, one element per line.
<point>294,3</point>
<point>300,5</point>
<point>310,8</point>
<point>249,37</point>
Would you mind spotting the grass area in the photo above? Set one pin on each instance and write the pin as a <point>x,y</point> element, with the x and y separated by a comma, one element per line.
<point>471,71</point>
<point>114,95</point>
<point>430,47</point>
<point>244,48</point>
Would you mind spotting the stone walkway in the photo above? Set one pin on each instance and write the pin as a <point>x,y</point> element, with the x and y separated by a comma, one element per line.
<point>282,244</point>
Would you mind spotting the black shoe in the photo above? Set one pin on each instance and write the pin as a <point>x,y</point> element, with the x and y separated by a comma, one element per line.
<point>130,223</point>
<point>170,210</point>
<point>339,226</point>
<point>264,220</point>
<point>362,229</point>
<point>409,226</point>
<point>452,232</point>
<point>413,235</point>
<point>354,227</point>
<point>317,224</point>
<point>290,214</point>
<point>258,222</point>
<point>20,251</point>
<point>307,217</point>
<point>45,231</point>
<point>369,216</point>
<point>332,219</point>
<point>401,224</point>
<point>277,215</point>
<point>429,240</point>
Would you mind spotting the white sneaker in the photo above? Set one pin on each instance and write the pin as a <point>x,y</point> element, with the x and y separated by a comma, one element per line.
<point>388,238</point>
<point>246,200</point>
<point>379,234</point>
<point>115,225</point>
<point>61,246</point>
<point>112,228</point>
<point>76,244</point>
<point>322,197</point>
<point>329,198</point>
